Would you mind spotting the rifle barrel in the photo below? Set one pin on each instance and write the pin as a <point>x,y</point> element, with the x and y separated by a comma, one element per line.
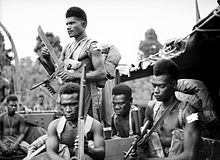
<point>81,118</point>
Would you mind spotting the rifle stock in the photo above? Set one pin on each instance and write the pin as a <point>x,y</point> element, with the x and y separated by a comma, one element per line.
<point>81,117</point>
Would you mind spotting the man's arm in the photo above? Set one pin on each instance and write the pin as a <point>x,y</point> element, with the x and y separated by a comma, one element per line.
<point>2,146</point>
<point>98,152</point>
<point>52,142</point>
<point>191,138</point>
<point>98,73</point>
<point>98,64</point>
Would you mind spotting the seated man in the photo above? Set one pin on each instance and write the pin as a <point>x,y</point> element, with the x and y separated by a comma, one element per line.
<point>62,132</point>
<point>125,120</point>
<point>12,132</point>
<point>178,135</point>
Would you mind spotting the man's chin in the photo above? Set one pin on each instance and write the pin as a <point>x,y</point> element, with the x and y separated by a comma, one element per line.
<point>159,99</point>
<point>71,117</point>
<point>118,113</point>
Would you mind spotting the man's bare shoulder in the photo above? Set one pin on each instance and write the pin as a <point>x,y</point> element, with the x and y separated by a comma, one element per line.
<point>151,104</point>
<point>54,122</point>
<point>20,116</point>
<point>189,113</point>
<point>150,107</point>
<point>96,125</point>
<point>187,108</point>
<point>3,114</point>
<point>52,125</point>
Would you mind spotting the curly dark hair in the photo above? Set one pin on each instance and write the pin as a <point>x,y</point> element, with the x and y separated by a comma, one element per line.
<point>69,88</point>
<point>76,12</point>
<point>166,67</point>
<point>122,89</point>
<point>11,97</point>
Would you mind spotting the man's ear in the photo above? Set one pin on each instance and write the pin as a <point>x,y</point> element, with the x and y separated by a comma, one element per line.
<point>131,100</point>
<point>84,24</point>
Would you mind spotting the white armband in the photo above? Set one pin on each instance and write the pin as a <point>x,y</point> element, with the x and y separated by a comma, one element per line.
<point>193,117</point>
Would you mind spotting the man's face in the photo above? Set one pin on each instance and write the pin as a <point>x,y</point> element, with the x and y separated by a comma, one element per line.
<point>70,106</point>
<point>163,87</point>
<point>12,107</point>
<point>75,27</point>
<point>120,104</point>
<point>41,100</point>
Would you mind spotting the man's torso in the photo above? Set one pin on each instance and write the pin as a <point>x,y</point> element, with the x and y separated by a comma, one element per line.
<point>121,125</point>
<point>169,124</point>
<point>10,125</point>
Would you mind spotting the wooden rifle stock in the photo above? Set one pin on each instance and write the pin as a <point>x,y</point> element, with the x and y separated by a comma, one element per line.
<point>81,117</point>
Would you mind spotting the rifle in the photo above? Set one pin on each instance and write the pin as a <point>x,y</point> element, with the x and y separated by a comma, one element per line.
<point>81,117</point>
<point>145,134</point>
<point>59,64</point>
<point>138,140</point>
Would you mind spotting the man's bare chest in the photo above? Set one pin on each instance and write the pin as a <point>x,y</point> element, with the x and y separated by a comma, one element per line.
<point>170,123</point>
<point>68,135</point>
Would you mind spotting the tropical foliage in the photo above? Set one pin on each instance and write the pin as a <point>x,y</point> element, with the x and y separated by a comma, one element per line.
<point>33,73</point>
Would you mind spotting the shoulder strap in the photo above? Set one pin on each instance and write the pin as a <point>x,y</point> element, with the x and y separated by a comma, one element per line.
<point>134,116</point>
<point>60,126</point>
<point>130,122</point>
<point>159,121</point>
<point>84,41</point>
<point>87,47</point>
<point>62,121</point>
<point>156,108</point>
<point>114,121</point>
<point>88,124</point>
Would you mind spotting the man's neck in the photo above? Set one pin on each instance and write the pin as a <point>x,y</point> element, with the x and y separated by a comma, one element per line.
<point>72,123</point>
<point>11,114</point>
<point>79,38</point>
<point>169,101</point>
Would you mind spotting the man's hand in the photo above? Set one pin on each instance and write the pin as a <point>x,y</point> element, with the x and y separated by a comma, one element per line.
<point>115,137</point>
<point>13,148</point>
<point>86,146</point>
<point>4,150</point>
<point>45,51</point>
<point>66,76</point>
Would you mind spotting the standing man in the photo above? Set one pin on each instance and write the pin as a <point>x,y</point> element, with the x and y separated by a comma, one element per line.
<point>83,51</point>
<point>41,106</point>
<point>12,132</point>
<point>62,132</point>
<point>178,135</point>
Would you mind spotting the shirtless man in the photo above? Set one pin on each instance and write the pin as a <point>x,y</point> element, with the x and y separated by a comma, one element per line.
<point>63,131</point>
<point>80,52</point>
<point>13,130</point>
<point>125,119</point>
<point>160,146</point>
